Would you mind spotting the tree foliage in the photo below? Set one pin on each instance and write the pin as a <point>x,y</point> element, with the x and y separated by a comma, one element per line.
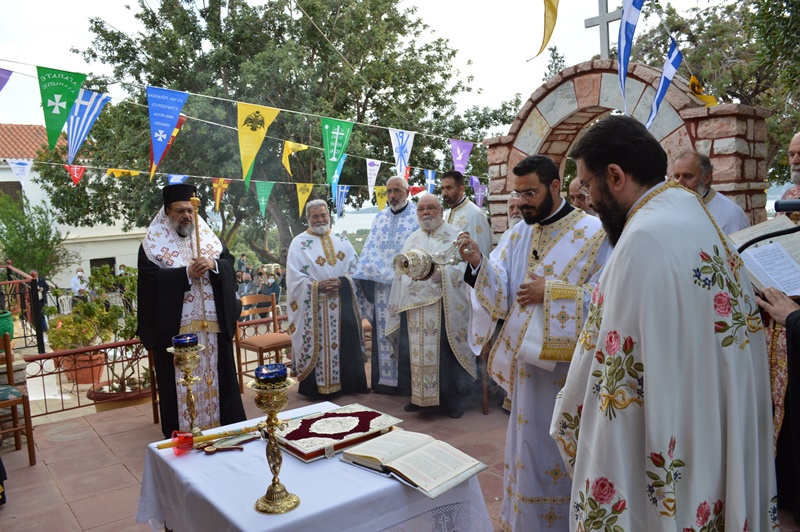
<point>272,55</point>
<point>722,48</point>
<point>555,64</point>
<point>30,239</point>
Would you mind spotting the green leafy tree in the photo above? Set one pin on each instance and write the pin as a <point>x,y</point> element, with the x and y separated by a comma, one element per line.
<point>722,47</point>
<point>30,239</point>
<point>274,55</point>
<point>556,63</point>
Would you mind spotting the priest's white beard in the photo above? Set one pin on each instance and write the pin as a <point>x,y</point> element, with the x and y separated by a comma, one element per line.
<point>514,220</point>
<point>321,228</point>
<point>182,230</point>
<point>429,223</point>
<point>795,174</point>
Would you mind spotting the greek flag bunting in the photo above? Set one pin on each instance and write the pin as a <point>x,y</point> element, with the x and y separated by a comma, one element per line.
<point>341,196</point>
<point>85,110</point>
<point>674,58</point>
<point>627,27</point>
<point>430,180</point>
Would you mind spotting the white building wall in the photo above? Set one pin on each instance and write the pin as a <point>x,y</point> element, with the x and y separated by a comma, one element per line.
<point>99,242</point>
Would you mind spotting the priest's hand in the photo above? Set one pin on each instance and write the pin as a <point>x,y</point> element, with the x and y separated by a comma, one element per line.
<point>199,267</point>
<point>468,249</point>
<point>778,304</point>
<point>329,286</point>
<point>531,292</point>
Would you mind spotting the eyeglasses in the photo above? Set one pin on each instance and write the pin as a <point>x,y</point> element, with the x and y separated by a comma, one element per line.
<point>527,194</point>
<point>584,188</point>
<point>431,208</point>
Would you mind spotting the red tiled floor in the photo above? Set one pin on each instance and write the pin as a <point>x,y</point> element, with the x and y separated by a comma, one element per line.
<point>59,518</point>
<point>107,507</point>
<point>93,482</point>
<point>30,500</point>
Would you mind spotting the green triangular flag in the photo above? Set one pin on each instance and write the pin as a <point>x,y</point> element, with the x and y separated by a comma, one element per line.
<point>59,90</point>
<point>263,190</point>
<point>335,136</point>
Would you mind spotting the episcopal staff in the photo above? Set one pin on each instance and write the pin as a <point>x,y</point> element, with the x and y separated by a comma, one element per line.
<point>178,292</point>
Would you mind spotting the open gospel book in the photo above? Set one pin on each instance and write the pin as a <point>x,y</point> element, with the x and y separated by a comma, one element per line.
<point>775,261</point>
<point>425,463</point>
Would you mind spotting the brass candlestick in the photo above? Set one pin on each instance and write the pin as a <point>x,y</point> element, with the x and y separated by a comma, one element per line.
<point>271,398</point>
<point>187,359</point>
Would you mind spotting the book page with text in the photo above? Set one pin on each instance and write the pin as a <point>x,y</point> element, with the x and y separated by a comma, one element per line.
<point>389,446</point>
<point>432,464</point>
<point>772,265</point>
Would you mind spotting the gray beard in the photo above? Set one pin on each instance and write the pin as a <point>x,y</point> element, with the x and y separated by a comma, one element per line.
<point>514,220</point>
<point>183,231</point>
<point>796,174</point>
<point>320,229</point>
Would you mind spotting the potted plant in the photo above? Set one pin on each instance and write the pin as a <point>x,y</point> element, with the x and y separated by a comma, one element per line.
<point>107,315</point>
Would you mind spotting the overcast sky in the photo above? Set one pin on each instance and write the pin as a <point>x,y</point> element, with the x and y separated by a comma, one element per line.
<point>498,37</point>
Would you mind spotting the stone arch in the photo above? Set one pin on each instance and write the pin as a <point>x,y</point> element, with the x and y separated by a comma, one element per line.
<point>733,136</point>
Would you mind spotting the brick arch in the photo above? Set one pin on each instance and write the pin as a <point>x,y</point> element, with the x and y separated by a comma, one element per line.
<point>733,135</point>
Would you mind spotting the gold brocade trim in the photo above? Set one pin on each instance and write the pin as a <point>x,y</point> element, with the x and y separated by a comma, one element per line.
<point>542,500</point>
<point>197,325</point>
<point>558,350</point>
<point>564,291</point>
<point>327,246</point>
<point>709,196</point>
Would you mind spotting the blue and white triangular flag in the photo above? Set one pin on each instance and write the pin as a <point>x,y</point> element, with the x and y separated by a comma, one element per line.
<point>430,180</point>
<point>21,169</point>
<point>674,58</point>
<point>402,142</point>
<point>341,196</point>
<point>373,167</point>
<point>627,27</point>
<point>164,109</point>
<point>335,178</point>
<point>85,110</point>
<point>175,179</point>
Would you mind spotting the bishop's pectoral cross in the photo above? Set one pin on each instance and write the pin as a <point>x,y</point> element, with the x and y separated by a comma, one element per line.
<point>603,20</point>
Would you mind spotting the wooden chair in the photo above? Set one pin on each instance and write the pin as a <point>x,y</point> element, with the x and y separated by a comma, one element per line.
<point>269,342</point>
<point>12,396</point>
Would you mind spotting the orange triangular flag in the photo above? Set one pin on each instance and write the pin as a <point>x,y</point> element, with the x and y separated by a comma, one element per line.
<point>220,186</point>
<point>75,172</point>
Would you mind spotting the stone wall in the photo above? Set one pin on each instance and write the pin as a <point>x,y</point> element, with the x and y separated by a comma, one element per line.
<point>734,136</point>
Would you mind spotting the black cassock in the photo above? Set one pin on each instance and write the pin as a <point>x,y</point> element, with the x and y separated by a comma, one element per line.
<point>161,292</point>
<point>788,459</point>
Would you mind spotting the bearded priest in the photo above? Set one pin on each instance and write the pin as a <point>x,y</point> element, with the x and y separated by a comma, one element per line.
<point>324,317</point>
<point>539,281</point>
<point>665,421</point>
<point>436,309</point>
<point>178,291</point>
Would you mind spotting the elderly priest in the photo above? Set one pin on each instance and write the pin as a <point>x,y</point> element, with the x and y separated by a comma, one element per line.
<point>324,319</point>
<point>178,291</point>
<point>374,273</point>
<point>437,313</point>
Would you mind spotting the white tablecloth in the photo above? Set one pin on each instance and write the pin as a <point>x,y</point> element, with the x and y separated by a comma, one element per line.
<point>195,492</point>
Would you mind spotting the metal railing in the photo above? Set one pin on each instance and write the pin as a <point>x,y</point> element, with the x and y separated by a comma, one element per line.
<point>19,293</point>
<point>88,376</point>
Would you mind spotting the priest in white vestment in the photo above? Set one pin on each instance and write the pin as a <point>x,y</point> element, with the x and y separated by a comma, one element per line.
<point>464,214</point>
<point>665,420</point>
<point>374,274</point>
<point>694,171</point>
<point>322,301</point>
<point>442,364</point>
<point>538,282</point>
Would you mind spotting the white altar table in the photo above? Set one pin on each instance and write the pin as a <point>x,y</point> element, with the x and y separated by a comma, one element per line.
<point>195,492</point>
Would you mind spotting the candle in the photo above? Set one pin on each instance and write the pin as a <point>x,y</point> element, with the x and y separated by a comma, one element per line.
<point>183,341</point>
<point>271,373</point>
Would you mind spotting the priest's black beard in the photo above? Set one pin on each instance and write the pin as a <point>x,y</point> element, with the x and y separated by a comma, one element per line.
<point>543,211</point>
<point>612,214</point>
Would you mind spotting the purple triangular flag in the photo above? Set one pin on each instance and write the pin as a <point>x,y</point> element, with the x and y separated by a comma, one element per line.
<point>474,182</point>
<point>4,75</point>
<point>480,194</point>
<point>460,150</point>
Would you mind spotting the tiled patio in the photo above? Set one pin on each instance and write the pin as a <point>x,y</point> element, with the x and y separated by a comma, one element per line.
<point>89,468</point>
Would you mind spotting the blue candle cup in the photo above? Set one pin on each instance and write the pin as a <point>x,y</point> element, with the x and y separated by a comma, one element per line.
<point>183,341</point>
<point>271,373</point>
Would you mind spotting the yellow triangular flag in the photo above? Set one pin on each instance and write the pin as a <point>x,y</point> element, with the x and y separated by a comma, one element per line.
<point>253,122</point>
<point>220,186</point>
<point>288,149</point>
<point>697,90</point>
<point>119,172</point>
<point>380,197</point>
<point>303,192</point>
<point>550,14</point>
